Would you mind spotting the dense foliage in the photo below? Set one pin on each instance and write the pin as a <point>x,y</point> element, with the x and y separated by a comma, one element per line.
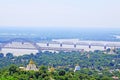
<point>94,66</point>
<point>96,59</point>
<point>14,73</point>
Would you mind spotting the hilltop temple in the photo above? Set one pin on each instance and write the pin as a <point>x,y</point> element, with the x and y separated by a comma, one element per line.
<point>30,66</point>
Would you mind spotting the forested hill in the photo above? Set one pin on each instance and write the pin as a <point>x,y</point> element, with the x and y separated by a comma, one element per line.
<point>92,64</point>
<point>97,59</point>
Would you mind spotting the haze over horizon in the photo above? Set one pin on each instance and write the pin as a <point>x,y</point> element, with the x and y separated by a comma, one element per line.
<point>60,14</point>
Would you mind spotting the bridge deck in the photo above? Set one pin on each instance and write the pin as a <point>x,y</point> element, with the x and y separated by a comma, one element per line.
<point>57,46</point>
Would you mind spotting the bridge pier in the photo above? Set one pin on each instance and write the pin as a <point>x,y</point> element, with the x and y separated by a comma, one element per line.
<point>105,47</point>
<point>89,46</point>
<point>22,43</point>
<point>47,44</point>
<point>74,45</point>
<point>0,49</point>
<point>61,44</point>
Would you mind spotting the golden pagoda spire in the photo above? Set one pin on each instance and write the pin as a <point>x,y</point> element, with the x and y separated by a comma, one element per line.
<point>31,61</point>
<point>51,69</point>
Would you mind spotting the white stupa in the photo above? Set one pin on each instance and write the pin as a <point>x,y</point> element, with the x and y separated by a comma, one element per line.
<point>77,68</point>
<point>31,66</point>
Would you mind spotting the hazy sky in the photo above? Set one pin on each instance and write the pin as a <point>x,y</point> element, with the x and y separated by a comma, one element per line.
<point>60,13</point>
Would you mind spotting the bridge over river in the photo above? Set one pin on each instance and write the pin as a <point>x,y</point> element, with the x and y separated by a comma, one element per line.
<point>55,45</point>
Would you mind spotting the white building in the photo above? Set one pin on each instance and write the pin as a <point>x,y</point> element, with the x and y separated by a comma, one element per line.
<point>77,68</point>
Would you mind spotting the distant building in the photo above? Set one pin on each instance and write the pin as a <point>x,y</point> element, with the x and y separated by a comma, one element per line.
<point>30,66</point>
<point>115,78</point>
<point>77,68</point>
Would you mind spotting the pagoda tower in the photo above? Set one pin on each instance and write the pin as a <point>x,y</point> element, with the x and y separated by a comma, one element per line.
<point>31,66</point>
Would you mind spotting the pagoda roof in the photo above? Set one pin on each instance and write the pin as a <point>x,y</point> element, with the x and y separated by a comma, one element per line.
<point>31,62</point>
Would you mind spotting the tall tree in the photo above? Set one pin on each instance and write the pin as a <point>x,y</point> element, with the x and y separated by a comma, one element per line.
<point>9,55</point>
<point>1,55</point>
